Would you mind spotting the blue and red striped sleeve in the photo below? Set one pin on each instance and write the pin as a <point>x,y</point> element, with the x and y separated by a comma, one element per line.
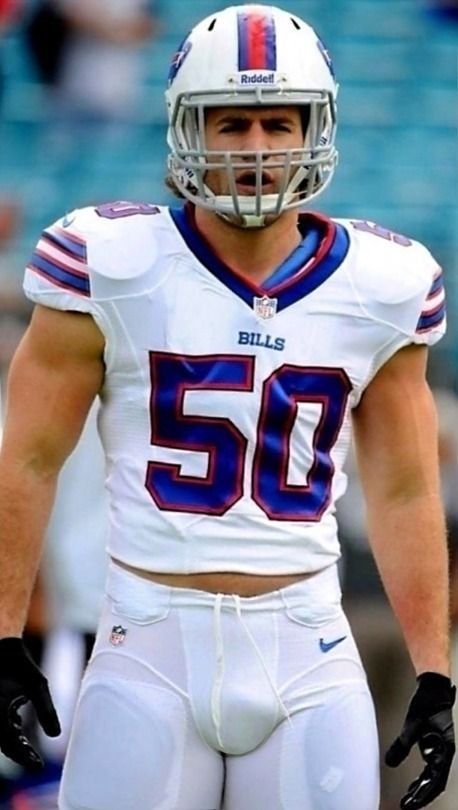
<point>433,312</point>
<point>60,257</point>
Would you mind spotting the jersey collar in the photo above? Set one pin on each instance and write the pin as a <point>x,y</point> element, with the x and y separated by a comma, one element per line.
<point>332,247</point>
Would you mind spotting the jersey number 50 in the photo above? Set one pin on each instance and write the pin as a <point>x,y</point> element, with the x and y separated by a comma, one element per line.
<point>226,447</point>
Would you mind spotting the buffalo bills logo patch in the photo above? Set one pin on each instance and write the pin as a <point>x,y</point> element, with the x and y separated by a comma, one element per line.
<point>178,59</point>
<point>326,56</point>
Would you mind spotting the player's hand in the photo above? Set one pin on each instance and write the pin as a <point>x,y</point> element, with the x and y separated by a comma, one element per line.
<point>429,723</point>
<point>21,681</point>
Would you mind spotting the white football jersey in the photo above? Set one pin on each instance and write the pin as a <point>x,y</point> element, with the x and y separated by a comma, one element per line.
<point>225,408</point>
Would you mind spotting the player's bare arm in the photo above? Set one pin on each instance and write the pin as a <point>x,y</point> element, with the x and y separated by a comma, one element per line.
<point>396,439</point>
<point>55,375</point>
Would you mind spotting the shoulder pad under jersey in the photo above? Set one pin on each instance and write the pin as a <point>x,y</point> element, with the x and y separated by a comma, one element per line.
<point>96,253</point>
<point>121,238</point>
<point>396,279</point>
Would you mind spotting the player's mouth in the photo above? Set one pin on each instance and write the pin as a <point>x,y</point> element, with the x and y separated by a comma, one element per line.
<point>246,182</point>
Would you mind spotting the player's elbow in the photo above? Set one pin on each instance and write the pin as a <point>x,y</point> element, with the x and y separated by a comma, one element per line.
<point>40,461</point>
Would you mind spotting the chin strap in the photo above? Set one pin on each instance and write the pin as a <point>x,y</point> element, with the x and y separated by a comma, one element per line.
<point>224,207</point>
<point>250,221</point>
<point>244,221</point>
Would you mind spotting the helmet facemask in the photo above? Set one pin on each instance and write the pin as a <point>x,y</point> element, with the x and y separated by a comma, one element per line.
<point>306,170</point>
<point>258,57</point>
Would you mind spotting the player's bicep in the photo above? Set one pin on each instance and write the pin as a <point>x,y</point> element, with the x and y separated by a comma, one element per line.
<point>55,375</point>
<point>395,430</point>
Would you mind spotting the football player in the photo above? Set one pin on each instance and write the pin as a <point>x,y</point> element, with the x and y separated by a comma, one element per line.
<point>232,342</point>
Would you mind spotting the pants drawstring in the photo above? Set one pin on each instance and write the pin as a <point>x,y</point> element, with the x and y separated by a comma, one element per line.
<point>258,652</point>
<point>219,669</point>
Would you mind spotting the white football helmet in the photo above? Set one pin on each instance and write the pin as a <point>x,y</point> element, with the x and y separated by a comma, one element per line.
<point>251,55</point>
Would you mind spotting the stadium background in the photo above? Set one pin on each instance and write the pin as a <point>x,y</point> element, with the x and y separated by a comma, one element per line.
<point>396,62</point>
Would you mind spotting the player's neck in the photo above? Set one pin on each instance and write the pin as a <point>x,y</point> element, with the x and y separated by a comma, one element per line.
<point>253,253</point>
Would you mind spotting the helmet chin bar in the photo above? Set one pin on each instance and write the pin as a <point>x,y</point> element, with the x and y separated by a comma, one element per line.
<point>246,216</point>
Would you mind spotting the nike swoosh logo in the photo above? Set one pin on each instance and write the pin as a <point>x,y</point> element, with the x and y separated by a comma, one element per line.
<point>325,646</point>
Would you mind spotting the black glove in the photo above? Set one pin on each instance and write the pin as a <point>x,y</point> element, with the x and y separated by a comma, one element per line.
<point>21,681</point>
<point>429,723</point>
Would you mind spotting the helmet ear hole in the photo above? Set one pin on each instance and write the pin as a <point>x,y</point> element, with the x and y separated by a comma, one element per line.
<point>212,24</point>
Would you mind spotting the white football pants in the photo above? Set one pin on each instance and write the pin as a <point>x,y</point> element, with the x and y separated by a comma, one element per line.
<point>197,701</point>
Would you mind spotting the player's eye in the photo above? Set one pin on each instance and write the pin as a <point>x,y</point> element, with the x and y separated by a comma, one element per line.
<point>233,126</point>
<point>278,126</point>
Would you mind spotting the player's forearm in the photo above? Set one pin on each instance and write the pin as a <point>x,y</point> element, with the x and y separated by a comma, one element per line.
<point>408,539</point>
<point>25,504</point>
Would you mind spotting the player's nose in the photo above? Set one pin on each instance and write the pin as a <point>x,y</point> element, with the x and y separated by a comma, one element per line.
<point>255,139</point>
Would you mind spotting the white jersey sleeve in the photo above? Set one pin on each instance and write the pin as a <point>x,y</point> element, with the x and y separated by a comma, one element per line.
<point>57,274</point>
<point>86,257</point>
<point>399,285</point>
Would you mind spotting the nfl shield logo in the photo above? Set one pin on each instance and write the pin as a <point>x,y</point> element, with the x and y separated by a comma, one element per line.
<point>117,635</point>
<point>265,307</point>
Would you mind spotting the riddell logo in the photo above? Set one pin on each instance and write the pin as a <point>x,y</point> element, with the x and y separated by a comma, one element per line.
<point>257,78</point>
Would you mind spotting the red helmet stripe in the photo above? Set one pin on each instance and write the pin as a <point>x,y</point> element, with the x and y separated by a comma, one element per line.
<point>257,41</point>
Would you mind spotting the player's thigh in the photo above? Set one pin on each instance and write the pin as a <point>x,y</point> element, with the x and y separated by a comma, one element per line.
<point>134,747</point>
<point>324,758</point>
